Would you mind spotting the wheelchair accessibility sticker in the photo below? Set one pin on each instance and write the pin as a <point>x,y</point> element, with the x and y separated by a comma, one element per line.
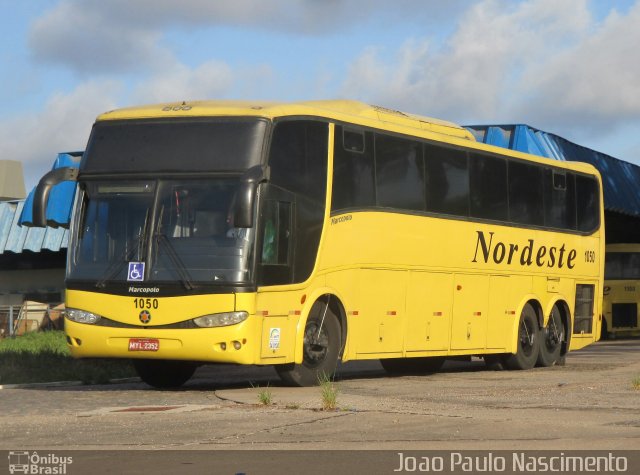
<point>136,272</point>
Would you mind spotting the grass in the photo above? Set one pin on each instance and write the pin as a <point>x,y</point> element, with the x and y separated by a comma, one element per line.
<point>265,396</point>
<point>635,382</point>
<point>328,392</point>
<point>41,357</point>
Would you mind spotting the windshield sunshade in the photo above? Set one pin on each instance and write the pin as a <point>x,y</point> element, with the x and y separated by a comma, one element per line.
<point>165,145</point>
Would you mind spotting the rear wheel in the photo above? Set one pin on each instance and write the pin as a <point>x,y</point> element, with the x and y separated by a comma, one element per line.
<point>551,340</point>
<point>164,374</point>
<point>320,350</point>
<point>412,365</point>
<point>528,341</point>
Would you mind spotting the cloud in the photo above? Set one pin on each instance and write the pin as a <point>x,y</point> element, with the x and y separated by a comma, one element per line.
<point>125,35</point>
<point>308,17</point>
<point>542,62</point>
<point>179,82</point>
<point>85,38</point>
<point>594,82</point>
<point>62,125</point>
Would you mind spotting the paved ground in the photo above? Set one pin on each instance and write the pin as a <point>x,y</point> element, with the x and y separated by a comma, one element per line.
<point>588,404</point>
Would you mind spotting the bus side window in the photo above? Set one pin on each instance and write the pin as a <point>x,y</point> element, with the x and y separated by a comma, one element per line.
<point>525,193</point>
<point>298,157</point>
<point>587,203</point>
<point>276,233</point>
<point>353,185</point>
<point>446,180</point>
<point>399,173</point>
<point>559,199</point>
<point>488,186</point>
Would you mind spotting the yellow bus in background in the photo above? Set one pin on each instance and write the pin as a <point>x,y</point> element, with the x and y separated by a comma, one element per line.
<point>299,234</point>
<point>621,290</point>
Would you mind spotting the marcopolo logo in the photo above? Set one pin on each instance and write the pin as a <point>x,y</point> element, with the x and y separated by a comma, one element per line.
<point>144,290</point>
<point>531,253</point>
<point>341,219</point>
<point>33,463</point>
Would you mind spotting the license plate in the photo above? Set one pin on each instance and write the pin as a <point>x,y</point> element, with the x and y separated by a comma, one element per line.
<point>144,344</point>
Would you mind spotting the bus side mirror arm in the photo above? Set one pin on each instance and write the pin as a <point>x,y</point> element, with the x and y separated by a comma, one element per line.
<point>245,198</point>
<point>41,195</point>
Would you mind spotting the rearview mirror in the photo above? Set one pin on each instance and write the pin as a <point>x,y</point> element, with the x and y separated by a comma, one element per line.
<point>41,195</point>
<point>246,195</point>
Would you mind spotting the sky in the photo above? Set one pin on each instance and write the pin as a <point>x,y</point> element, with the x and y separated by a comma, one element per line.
<point>569,67</point>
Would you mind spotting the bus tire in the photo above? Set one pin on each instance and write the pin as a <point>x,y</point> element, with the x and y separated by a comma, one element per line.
<point>320,349</point>
<point>421,365</point>
<point>164,374</point>
<point>528,342</point>
<point>551,339</point>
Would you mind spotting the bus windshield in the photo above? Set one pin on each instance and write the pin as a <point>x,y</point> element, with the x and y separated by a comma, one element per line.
<point>622,266</point>
<point>181,230</point>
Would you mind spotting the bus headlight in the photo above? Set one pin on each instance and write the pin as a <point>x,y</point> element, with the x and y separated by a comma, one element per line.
<point>220,319</point>
<point>80,316</point>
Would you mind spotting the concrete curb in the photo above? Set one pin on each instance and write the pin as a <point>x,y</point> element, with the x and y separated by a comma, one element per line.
<point>61,384</point>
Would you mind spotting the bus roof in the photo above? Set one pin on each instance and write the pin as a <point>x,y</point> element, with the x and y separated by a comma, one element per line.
<point>346,110</point>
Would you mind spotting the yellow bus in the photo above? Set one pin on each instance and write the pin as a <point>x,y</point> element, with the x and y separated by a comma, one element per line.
<point>297,235</point>
<point>621,291</point>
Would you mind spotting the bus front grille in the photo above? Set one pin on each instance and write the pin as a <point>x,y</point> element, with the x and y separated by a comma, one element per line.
<point>624,315</point>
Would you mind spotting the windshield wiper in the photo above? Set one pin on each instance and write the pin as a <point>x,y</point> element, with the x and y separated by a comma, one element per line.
<point>116,265</point>
<point>183,273</point>
<point>125,256</point>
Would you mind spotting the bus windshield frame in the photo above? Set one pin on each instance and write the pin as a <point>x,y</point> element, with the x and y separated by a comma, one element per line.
<point>178,231</point>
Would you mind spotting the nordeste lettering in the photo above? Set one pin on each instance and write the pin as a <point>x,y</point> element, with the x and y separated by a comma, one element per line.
<point>498,252</point>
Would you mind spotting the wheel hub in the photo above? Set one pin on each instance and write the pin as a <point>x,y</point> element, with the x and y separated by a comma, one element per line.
<point>316,344</point>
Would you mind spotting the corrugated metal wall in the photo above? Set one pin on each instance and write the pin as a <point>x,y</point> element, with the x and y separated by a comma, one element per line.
<point>16,238</point>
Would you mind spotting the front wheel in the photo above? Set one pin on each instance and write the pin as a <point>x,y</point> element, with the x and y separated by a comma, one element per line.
<point>320,350</point>
<point>164,374</point>
<point>528,346</point>
<point>552,339</point>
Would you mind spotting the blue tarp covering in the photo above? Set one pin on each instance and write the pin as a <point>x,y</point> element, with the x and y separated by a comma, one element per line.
<point>61,196</point>
<point>621,180</point>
